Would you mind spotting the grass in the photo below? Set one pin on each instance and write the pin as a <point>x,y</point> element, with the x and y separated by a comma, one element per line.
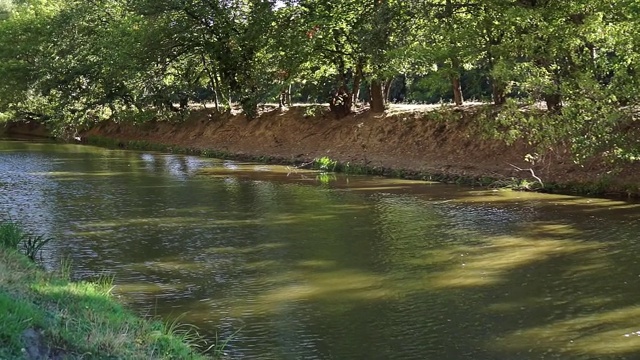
<point>11,234</point>
<point>77,320</point>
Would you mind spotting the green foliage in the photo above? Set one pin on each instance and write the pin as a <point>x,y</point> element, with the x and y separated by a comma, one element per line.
<point>218,348</point>
<point>73,63</point>
<point>11,234</point>
<point>325,163</point>
<point>585,128</point>
<point>78,319</point>
<point>32,245</point>
<point>313,111</point>
<point>6,8</point>
<point>516,184</point>
<point>14,315</point>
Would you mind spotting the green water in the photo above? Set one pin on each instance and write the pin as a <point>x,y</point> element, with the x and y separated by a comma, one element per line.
<point>306,267</point>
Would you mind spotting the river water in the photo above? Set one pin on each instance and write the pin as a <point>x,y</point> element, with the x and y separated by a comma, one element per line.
<point>295,265</point>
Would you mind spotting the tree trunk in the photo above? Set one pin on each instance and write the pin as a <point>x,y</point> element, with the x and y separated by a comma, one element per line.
<point>220,90</point>
<point>356,83</point>
<point>282,98</point>
<point>498,88</point>
<point>457,90</point>
<point>377,99</point>
<point>213,81</point>
<point>455,81</point>
<point>387,90</point>
<point>554,102</point>
<point>216,101</point>
<point>553,98</point>
<point>340,104</point>
<point>288,99</point>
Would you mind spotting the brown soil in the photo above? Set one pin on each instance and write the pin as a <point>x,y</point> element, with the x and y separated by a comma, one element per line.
<point>399,141</point>
<point>404,139</point>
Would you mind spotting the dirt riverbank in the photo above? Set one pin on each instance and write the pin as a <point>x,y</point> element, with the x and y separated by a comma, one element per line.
<point>412,141</point>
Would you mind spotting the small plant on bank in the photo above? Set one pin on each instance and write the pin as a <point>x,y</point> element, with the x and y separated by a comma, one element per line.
<point>325,163</point>
<point>218,349</point>
<point>32,245</point>
<point>516,184</point>
<point>313,111</point>
<point>12,236</point>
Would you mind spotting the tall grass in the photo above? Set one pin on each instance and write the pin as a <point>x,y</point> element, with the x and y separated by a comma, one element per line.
<point>32,245</point>
<point>11,234</point>
<point>76,320</point>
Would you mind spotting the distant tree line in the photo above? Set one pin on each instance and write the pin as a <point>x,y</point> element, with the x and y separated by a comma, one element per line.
<point>74,61</point>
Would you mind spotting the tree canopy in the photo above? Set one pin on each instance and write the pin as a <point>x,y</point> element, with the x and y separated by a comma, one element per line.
<point>72,62</point>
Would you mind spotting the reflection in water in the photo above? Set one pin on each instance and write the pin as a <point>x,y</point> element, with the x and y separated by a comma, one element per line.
<point>358,267</point>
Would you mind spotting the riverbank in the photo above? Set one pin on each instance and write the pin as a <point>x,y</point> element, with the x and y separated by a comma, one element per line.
<point>46,316</point>
<point>449,144</point>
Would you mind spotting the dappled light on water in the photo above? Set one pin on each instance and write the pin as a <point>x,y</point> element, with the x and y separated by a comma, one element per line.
<point>492,262</point>
<point>234,250</point>
<point>336,266</point>
<point>335,285</point>
<point>614,332</point>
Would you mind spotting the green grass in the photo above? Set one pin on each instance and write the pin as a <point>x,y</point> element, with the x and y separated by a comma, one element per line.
<point>80,320</point>
<point>11,234</point>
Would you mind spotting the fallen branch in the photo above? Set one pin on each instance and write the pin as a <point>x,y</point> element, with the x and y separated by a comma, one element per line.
<point>301,166</point>
<point>532,173</point>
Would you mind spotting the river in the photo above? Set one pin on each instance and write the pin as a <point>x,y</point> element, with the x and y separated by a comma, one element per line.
<point>291,264</point>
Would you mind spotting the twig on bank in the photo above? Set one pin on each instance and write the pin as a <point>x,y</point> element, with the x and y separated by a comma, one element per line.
<point>532,173</point>
<point>301,166</point>
<point>304,165</point>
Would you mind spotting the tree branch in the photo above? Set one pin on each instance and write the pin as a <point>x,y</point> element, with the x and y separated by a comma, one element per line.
<point>532,173</point>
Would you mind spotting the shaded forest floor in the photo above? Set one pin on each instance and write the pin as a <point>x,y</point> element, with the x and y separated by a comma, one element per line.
<point>412,141</point>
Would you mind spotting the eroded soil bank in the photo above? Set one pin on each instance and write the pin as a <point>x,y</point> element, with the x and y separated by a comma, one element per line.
<point>443,143</point>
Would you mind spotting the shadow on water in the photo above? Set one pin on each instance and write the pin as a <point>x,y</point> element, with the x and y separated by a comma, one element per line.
<point>543,267</point>
<point>357,267</point>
